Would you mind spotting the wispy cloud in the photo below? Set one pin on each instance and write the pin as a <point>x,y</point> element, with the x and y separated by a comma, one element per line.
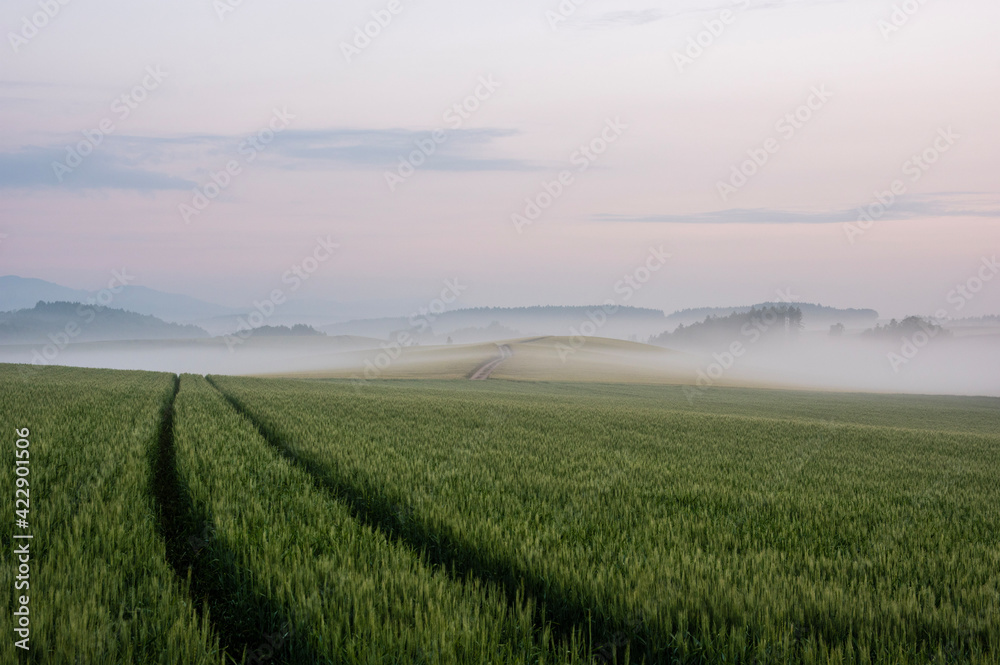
<point>942,204</point>
<point>166,163</point>
<point>33,167</point>
<point>464,150</point>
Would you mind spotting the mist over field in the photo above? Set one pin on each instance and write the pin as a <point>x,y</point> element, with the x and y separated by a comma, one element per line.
<point>774,344</point>
<point>750,347</point>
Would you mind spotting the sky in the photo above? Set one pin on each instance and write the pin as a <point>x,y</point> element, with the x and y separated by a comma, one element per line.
<point>537,152</point>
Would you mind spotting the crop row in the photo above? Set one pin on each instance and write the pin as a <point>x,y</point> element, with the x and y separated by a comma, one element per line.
<point>100,589</point>
<point>166,530</point>
<point>678,536</point>
<point>336,590</point>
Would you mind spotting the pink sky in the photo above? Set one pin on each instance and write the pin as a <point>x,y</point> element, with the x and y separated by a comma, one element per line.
<point>891,94</point>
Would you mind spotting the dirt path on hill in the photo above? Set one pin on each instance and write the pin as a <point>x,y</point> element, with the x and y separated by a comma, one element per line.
<point>486,370</point>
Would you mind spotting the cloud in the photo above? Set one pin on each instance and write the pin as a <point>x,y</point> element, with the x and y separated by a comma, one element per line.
<point>166,163</point>
<point>635,17</point>
<point>911,207</point>
<point>33,167</point>
<point>462,150</point>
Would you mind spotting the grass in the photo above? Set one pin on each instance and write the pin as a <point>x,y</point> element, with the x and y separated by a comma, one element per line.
<point>567,360</point>
<point>101,589</point>
<point>345,591</point>
<point>452,522</point>
<point>689,537</point>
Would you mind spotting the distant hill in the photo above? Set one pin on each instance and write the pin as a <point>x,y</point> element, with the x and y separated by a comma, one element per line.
<point>298,330</point>
<point>24,293</point>
<point>774,323</point>
<point>624,322</point>
<point>78,322</point>
<point>167,306</point>
<point>814,317</point>
<point>492,332</point>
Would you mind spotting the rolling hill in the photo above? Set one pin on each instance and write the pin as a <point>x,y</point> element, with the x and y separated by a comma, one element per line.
<point>17,293</point>
<point>64,322</point>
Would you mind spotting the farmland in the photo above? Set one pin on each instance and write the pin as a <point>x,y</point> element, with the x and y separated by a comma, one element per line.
<point>101,588</point>
<point>338,587</point>
<point>185,520</point>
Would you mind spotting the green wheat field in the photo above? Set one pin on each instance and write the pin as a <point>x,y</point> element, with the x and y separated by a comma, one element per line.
<point>194,520</point>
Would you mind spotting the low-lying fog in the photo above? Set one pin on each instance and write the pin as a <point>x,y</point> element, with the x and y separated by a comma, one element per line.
<point>963,364</point>
<point>214,356</point>
<point>953,366</point>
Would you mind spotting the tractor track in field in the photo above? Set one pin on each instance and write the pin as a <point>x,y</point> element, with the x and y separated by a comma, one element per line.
<point>483,372</point>
<point>206,569</point>
<point>460,560</point>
